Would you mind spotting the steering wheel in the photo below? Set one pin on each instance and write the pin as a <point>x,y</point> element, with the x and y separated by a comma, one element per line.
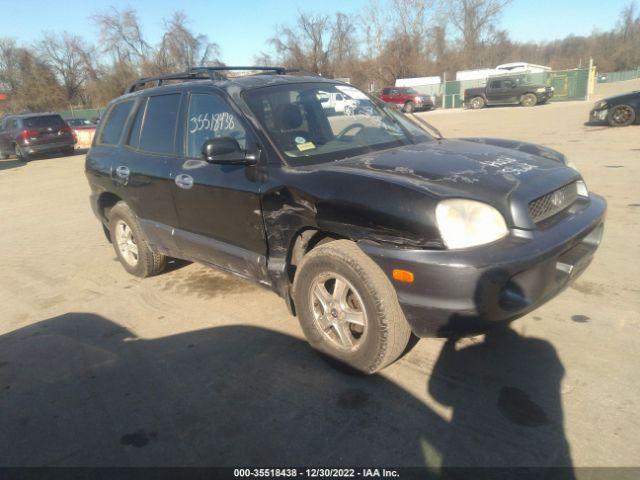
<point>348,128</point>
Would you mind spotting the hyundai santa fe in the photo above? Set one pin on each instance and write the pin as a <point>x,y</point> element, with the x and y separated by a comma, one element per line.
<point>368,226</point>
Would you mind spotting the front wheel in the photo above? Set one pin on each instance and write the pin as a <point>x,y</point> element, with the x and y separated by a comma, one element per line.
<point>621,116</point>
<point>130,245</point>
<point>528,100</point>
<point>409,107</point>
<point>348,308</point>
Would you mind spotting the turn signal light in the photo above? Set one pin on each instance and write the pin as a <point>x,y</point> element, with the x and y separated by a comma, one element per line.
<point>404,276</point>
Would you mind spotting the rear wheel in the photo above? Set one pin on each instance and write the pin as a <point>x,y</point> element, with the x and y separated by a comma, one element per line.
<point>348,308</point>
<point>409,107</point>
<point>476,103</point>
<point>130,245</point>
<point>621,116</point>
<point>20,154</point>
<point>528,100</point>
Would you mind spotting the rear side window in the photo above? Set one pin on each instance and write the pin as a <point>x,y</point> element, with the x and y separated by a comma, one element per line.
<point>159,126</point>
<point>46,121</point>
<point>115,123</point>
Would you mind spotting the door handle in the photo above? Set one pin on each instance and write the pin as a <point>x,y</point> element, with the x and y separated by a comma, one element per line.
<point>123,172</point>
<point>184,181</point>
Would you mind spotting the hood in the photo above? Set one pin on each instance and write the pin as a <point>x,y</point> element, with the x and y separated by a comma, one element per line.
<point>505,178</point>
<point>623,97</point>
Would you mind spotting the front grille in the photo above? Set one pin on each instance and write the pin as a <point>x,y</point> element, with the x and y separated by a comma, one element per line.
<point>553,203</point>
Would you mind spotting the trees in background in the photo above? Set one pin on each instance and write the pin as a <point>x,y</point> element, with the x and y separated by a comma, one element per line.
<point>386,40</point>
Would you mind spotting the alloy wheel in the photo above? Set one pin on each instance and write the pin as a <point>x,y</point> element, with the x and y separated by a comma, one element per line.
<point>126,243</point>
<point>338,311</point>
<point>622,114</point>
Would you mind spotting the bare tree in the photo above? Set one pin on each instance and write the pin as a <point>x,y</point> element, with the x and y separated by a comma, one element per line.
<point>476,22</point>
<point>32,84</point>
<point>182,49</point>
<point>121,35</point>
<point>65,54</point>
<point>306,45</point>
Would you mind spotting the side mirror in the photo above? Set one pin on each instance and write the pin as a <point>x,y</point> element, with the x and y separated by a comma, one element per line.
<point>226,151</point>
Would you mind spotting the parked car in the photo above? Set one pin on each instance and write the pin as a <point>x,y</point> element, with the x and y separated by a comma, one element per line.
<point>618,111</point>
<point>507,91</point>
<point>84,131</point>
<point>406,98</point>
<point>35,133</point>
<point>338,103</point>
<point>368,227</point>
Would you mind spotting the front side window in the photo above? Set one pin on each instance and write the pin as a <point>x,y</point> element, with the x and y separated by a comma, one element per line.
<point>114,124</point>
<point>159,127</point>
<point>495,84</point>
<point>211,117</point>
<point>306,129</point>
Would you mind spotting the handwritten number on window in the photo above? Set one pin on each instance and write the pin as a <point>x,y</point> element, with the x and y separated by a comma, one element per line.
<point>218,122</point>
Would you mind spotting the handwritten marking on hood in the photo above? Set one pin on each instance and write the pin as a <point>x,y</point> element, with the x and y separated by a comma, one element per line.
<point>505,164</point>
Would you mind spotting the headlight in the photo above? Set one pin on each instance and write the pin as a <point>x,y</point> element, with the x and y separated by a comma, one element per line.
<point>541,90</point>
<point>582,188</point>
<point>601,105</point>
<point>467,223</point>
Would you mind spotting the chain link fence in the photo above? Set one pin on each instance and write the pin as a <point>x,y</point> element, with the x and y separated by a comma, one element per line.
<point>609,77</point>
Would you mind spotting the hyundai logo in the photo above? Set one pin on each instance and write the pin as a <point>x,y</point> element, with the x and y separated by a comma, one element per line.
<point>557,198</point>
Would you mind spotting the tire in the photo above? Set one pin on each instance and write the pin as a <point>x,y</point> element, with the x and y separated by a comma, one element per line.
<point>20,154</point>
<point>621,116</point>
<point>369,298</point>
<point>137,259</point>
<point>528,100</point>
<point>409,107</point>
<point>476,103</point>
<point>69,152</point>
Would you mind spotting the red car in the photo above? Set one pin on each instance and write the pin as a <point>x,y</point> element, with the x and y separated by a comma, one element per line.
<point>84,131</point>
<point>406,98</point>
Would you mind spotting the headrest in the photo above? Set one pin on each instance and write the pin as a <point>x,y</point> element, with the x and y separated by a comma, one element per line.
<point>289,117</point>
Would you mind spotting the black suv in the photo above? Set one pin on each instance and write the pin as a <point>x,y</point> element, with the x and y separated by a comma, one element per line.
<point>507,91</point>
<point>35,133</point>
<point>369,227</point>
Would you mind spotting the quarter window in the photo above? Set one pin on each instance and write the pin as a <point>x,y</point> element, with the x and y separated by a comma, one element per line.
<point>159,127</point>
<point>134,135</point>
<point>115,123</point>
<point>211,117</point>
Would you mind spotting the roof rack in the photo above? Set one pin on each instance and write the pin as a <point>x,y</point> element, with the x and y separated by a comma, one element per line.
<point>195,73</point>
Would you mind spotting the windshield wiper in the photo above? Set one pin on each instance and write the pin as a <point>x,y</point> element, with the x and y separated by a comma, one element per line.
<point>433,129</point>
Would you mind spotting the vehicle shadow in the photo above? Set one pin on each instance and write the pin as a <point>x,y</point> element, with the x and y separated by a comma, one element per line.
<point>9,164</point>
<point>504,391</point>
<point>79,389</point>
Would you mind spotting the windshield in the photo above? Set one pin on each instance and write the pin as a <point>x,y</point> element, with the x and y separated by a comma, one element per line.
<point>311,122</point>
<point>410,91</point>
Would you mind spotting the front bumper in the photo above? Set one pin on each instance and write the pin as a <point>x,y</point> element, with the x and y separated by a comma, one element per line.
<point>598,116</point>
<point>544,96</point>
<point>466,291</point>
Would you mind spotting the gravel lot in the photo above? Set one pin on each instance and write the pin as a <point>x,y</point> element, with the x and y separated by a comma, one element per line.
<point>194,367</point>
